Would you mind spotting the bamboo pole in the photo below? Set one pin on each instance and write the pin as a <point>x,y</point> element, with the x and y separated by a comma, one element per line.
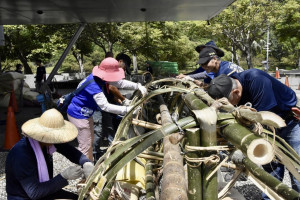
<point>145,124</point>
<point>276,185</point>
<point>207,118</point>
<point>254,146</point>
<point>194,172</point>
<point>150,186</point>
<point>173,184</point>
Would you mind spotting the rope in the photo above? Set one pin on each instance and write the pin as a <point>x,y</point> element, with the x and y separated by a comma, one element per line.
<point>210,148</point>
<point>214,158</point>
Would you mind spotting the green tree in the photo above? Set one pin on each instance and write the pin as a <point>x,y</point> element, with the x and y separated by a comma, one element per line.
<point>242,24</point>
<point>27,43</point>
<point>287,29</point>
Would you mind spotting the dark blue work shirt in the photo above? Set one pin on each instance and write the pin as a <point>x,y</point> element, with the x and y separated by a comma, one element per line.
<point>224,68</point>
<point>265,93</point>
<point>22,180</point>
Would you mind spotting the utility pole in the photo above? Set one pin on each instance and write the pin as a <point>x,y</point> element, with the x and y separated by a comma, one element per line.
<point>266,62</point>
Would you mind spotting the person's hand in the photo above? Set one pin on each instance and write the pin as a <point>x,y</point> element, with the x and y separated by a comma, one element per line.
<point>142,89</point>
<point>188,78</point>
<point>180,76</point>
<point>72,172</point>
<point>87,169</point>
<point>126,102</point>
<point>137,109</point>
<point>237,156</point>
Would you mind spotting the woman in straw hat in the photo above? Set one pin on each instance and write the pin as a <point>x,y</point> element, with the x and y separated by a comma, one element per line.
<point>29,165</point>
<point>94,96</point>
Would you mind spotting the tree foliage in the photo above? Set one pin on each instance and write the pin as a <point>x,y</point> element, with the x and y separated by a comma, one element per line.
<point>240,30</point>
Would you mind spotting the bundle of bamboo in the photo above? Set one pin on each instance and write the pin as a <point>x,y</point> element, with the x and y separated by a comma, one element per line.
<point>189,134</point>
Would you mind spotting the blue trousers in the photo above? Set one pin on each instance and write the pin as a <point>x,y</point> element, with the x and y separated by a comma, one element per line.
<point>291,134</point>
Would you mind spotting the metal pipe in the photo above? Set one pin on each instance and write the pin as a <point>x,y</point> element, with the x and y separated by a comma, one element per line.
<point>65,53</point>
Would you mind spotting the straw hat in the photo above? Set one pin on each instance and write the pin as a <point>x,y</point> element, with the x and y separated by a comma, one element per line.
<point>109,70</point>
<point>50,128</point>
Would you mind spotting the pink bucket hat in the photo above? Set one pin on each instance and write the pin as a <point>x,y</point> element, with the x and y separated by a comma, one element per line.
<point>109,70</point>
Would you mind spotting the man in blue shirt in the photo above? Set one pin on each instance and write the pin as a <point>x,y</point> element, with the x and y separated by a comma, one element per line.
<point>211,64</point>
<point>265,93</point>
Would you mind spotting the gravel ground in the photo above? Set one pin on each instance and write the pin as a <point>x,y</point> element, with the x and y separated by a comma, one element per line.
<point>245,187</point>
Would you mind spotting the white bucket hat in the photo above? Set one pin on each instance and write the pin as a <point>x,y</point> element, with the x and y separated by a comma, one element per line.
<point>50,128</point>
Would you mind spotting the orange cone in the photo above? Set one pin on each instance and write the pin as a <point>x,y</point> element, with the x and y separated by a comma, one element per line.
<point>277,75</point>
<point>298,87</point>
<point>11,131</point>
<point>287,81</point>
<point>13,101</point>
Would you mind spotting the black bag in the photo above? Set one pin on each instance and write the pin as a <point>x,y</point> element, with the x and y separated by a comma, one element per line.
<point>64,101</point>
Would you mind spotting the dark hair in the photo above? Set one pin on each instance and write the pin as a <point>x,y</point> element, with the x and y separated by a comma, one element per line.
<point>109,54</point>
<point>38,61</point>
<point>126,59</point>
<point>18,66</point>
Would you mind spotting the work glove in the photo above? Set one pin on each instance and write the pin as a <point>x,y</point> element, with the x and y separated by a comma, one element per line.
<point>72,172</point>
<point>137,109</point>
<point>188,78</point>
<point>180,76</point>
<point>142,89</point>
<point>87,169</point>
<point>126,102</point>
<point>237,156</point>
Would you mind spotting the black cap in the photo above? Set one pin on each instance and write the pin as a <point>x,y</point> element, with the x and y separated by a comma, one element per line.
<point>220,86</point>
<point>206,55</point>
<point>211,44</point>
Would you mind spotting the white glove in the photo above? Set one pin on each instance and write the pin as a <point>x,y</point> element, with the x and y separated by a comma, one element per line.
<point>126,102</point>
<point>87,169</point>
<point>72,172</point>
<point>135,111</point>
<point>142,89</point>
<point>188,78</point>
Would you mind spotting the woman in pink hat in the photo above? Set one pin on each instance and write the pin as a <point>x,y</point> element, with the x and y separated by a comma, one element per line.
<point>95,95</point>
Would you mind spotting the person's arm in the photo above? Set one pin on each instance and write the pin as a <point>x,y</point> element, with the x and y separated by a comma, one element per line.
<point>201,75</point>
<point>73,154</point>
<point>130,85</point>
<point>125,84</point>
<point>44,74</point>
<point>36,190</point>
<point>108,107</point>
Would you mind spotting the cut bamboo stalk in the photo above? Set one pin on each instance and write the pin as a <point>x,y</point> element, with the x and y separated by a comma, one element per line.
<point>145,124</point>
<point>194,173</point>
<point>174,183</point>
<point>255,147</point>
<point>207,119</point>
<point>276,185</point>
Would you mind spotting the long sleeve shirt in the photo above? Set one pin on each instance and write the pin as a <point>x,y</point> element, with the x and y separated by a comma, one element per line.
<point>22,181</point>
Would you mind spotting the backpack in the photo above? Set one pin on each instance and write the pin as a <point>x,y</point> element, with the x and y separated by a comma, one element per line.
<point>64,101</point>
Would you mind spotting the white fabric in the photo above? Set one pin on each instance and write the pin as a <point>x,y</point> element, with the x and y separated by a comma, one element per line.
<point>108,107</point>
<point>125,84</point>
<point>142,89</point>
